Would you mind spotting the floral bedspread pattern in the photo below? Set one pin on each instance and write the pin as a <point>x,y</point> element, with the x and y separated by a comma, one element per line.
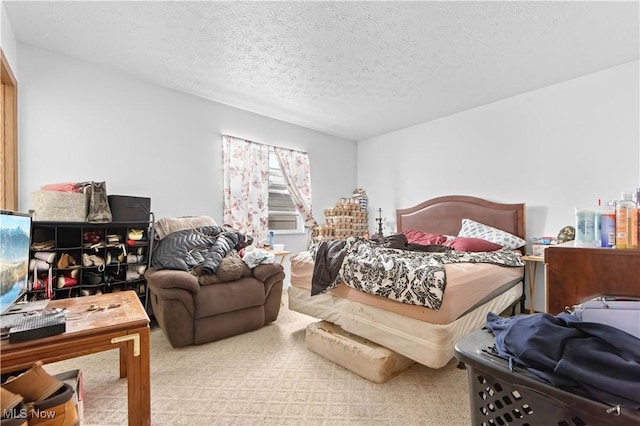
<point>412,277</point>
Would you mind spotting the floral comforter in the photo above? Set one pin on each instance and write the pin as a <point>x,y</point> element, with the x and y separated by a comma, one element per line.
<point>412,277</point>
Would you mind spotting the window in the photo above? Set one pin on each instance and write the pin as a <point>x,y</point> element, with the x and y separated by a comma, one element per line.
<point>283,216</point>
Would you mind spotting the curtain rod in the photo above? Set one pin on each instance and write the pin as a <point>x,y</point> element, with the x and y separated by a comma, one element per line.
<point>266,144</point>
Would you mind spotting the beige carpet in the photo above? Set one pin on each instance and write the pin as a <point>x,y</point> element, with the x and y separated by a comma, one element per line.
<point>268,377</point>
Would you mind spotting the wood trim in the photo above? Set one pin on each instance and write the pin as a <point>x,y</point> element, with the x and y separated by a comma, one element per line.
<point>9,136</point>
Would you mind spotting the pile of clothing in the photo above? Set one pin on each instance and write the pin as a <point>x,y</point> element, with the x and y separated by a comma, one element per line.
<point>202,247</point>
<point>590,359</point>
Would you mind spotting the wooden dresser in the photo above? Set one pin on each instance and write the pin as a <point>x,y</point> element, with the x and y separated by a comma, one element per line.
<point>577,274</point>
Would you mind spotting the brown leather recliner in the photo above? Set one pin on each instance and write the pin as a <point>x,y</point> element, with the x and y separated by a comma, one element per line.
<point>191,313</point>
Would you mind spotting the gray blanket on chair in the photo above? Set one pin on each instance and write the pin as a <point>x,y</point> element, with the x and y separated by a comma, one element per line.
<point>205,247</point>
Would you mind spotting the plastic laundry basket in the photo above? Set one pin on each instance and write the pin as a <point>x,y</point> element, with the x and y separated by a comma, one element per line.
<point>499,396</point>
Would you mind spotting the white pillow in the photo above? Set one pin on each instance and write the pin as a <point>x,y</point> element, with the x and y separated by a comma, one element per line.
<point>475,229</point>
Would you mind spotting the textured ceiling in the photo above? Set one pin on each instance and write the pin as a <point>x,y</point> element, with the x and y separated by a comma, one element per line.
<point>350,69</point>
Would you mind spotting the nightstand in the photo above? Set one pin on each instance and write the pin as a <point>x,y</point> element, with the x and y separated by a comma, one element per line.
<point>531,271</point>
<point>282,254</point>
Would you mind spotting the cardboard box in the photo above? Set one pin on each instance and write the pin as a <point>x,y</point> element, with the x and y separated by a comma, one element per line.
<point>74,379</point>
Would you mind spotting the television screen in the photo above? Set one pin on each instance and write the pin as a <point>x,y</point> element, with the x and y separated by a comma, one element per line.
<point>15,238</point>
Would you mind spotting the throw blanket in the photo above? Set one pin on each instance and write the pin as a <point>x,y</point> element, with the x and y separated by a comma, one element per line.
<point>204,247</point>
<point>167,225</point>
<point>412,277</point>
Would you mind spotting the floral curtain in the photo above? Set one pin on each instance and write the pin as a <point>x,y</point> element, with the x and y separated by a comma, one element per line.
<point>297,175</point>
<point>246,186</point>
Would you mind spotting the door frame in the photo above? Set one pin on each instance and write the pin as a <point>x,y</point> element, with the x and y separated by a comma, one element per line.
<point>9,136</point>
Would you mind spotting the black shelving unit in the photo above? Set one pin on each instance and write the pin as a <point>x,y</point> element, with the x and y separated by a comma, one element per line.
<point>106,257</point>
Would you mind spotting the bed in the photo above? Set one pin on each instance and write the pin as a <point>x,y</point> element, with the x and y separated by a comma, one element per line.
<point>424,335</point>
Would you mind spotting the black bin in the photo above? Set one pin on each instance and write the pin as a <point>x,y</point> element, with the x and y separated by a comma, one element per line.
<point>125,208</point>
<point>499,396</point>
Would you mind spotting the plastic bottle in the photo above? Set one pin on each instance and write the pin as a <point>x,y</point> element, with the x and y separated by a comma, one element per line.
<point>635,220</point>
<point>608,225</point>
<point>598,225</point>
<point>271,234</point>
<point>624,210</point>
<point>585,227</point>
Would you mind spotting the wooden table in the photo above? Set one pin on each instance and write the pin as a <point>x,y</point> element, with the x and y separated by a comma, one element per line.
<point>125,327</point>
<point>282,254</point>
<point>531,265</point>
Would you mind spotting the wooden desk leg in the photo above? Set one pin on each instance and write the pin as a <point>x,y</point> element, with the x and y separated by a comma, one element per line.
<point>136,354</point>
<point>532,286</point>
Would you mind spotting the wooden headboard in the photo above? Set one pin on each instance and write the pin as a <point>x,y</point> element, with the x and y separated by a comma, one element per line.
<point>443,215</point>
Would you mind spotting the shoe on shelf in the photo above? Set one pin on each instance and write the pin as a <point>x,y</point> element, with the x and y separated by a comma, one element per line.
<point>135,234</point>
<point>73,273</point>
<point>98,261</point>
<point>132,275</point>
<point>34,385</point>
<point>63,281</point>
<point>92,278</point>
<point>65,261</point>
<point>38,264</point>
<point>86,260</point>
<point>47,256</point>
<point>43,245</point>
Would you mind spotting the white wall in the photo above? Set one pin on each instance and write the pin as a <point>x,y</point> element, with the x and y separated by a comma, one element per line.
<point>8,40</point>
<point>79,121</point>
<point>556,148</point>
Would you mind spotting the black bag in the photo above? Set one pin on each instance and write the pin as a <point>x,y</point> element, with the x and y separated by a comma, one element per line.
<point>99,211</point>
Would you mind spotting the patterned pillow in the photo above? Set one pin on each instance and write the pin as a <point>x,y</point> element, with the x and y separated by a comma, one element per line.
<point>475,229</point>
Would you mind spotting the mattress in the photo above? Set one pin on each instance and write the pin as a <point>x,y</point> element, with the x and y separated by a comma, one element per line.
<point>402,328</point>
<point>468,286</point>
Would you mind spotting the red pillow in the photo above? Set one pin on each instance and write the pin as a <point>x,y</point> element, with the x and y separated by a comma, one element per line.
<point>472,244</point>
<point>419,237</point>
